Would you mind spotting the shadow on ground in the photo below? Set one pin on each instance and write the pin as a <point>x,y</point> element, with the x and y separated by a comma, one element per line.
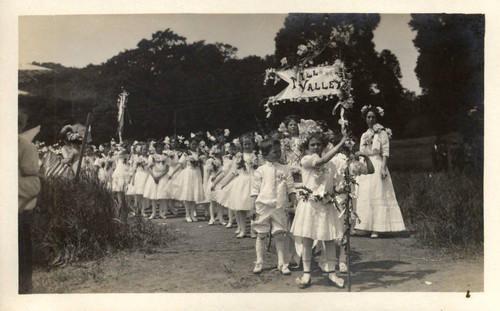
<point>384,273</point>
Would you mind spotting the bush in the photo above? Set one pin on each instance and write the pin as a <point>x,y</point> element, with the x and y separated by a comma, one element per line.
<point>75,221</point>
<point>445,209</point>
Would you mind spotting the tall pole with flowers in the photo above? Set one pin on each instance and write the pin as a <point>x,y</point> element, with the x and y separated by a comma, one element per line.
<point>322,82</point>
<point>122,102</point>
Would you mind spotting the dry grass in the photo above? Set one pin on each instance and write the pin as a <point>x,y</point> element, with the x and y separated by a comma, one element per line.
<point>75,221</point>
<point>445,210</point>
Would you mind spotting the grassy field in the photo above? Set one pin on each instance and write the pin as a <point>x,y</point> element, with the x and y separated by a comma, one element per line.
<point>415,154</point>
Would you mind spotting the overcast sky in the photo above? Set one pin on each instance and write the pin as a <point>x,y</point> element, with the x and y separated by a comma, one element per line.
<point>79,40</point>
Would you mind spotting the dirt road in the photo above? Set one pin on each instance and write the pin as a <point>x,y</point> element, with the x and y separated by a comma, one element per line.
<point>210,259</point>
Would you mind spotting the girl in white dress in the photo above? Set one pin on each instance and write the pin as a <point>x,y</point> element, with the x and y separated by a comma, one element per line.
<point>129,194</point>
<point>188,185</point>
<point>238,190</point>
<point>120,179</point>
<point>316,217</point>
<point>157,180</point>
<point>222,178</point>
<point>377,207</point>
<point>139,179</point>
<point>290,145</point>
<point>211,168</point>
<point>173,158</point>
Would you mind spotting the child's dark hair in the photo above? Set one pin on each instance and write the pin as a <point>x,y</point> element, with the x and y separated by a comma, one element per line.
<point>251,136</point>
<point>159,144</point>
<point>267,144</point>
<point>275,134</point>
<point>219,132</point>
<point>247,135</point>
<point>291,117</point>
<point>318,135</point>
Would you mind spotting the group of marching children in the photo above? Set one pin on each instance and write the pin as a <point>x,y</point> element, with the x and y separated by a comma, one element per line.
<point>299,167</point>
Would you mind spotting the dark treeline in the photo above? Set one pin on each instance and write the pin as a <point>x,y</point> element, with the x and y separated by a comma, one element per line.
<point>179,87</point>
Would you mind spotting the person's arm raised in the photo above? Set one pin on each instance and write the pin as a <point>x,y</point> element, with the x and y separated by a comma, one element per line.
<point>329,155</point>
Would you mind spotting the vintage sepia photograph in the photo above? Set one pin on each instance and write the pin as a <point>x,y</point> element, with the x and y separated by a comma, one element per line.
<point>251,153</point>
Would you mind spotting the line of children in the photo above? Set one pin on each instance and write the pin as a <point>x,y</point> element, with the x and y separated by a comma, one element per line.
<point>249,181</point>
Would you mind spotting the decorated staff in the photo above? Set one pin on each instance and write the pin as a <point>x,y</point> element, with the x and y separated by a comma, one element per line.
<point>122,102</point>
<point>314,83</point>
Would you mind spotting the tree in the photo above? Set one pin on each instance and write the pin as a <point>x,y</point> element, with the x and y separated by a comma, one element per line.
<point>173,86</point>
<point>348,37</point>
<point>450,67</point>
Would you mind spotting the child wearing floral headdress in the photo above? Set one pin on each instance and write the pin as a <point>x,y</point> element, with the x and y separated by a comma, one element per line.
<point>103,166</point>
<point>139,178</point>
<point>316,217</point>
<point>130,187</point>
<point>238,191</point>
<point>222,178</point>
<point>120,180</point>
<point>155,188</point>
<point>210,170</point>
<point>173,156</point>
<point>188,186</point>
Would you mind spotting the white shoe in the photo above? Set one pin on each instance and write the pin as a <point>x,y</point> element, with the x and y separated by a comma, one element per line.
<point>211,222</point>
<point>229,225</point>
<point>189,220</point>
<point>335,280</point>
<point>374,235</point>
<point>284,270</point>
<point>258,268</point>
<point>342,267</point>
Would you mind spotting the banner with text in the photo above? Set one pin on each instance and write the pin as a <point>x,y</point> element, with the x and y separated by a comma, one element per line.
<point>309,82</point>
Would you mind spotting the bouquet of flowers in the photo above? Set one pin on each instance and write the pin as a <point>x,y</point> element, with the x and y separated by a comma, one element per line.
<point>195,161</point>
<point>141,161</point>
<point>242,164</point>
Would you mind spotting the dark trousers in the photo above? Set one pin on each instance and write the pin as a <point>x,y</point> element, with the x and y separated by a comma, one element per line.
<point>25,252</point>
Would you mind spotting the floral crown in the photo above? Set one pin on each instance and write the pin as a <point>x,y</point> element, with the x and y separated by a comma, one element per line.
<point>214,150</point>
<point>307,128</point>
<point>365,108</point>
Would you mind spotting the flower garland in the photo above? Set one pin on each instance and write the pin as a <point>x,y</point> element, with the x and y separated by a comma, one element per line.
<point>241,164</point>
<point>326,198</point>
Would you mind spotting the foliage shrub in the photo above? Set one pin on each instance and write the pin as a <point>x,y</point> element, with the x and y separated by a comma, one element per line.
<point>444,209</point>
<point>75,221</point>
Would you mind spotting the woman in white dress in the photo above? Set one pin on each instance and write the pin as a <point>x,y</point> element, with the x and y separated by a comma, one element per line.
<point>377,207</point>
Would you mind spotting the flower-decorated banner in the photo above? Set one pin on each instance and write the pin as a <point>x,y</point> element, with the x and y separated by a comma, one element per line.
<point>310,82</point>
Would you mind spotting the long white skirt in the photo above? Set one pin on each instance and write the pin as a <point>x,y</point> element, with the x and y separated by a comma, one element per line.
<point>376,204</point>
